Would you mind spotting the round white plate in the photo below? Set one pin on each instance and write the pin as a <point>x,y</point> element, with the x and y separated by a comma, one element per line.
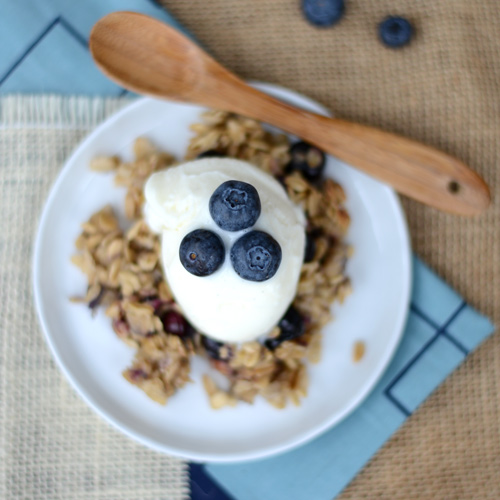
<point>92,357</point>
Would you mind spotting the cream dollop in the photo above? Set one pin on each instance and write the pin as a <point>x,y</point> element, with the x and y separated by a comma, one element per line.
<point>223,305</point>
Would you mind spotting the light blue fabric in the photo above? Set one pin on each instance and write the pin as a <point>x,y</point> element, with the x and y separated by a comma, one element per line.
<point>43,48</point>
<point>43,44</point>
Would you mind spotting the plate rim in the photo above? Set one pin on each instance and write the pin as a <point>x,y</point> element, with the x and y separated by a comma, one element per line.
<point>275,90</point>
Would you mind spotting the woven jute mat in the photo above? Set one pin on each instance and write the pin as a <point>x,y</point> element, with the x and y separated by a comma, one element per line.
<point>52,446</point>
<point>443,89</point>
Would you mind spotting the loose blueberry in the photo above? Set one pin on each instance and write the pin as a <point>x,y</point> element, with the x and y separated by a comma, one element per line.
<point>291,326</point>
<point>272,344</point>
<point>235,205</point>
<point>211,153</point>
<point>136,374</point>
<point>323,13</point>
<point>97,300</point>
<point>310,248</point>
<point>256,256</point>
<point>212,347</point>
<point>201,252</point>
<point>395,31</point>
<point>174,323</point>
<point>306,159</point>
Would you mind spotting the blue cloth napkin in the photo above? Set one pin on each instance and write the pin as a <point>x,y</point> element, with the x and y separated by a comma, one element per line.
<point>43,48</point>
<point>43,44</point>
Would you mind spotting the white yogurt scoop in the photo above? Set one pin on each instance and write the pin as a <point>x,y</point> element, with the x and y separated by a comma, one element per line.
<point>223,305</point>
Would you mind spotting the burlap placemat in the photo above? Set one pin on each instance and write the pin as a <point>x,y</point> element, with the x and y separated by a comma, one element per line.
<point>443,89</point>
<point>52,446</point>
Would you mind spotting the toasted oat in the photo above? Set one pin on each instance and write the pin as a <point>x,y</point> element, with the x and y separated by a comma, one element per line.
<point>134,200</point>
<point>244,390</point>
<point>141,318</point>
<point>274,332</point>
<point>143,148</point>
<point>224,352</point>
<point>147,260</point>
<point>290,351</point>
<point>358,351</point>
<point>93,292</point>
<point>217,397</point>
<point>104,163</point>
<point>275,394</point>
<point>314,348</point>
<point>334,192</point>
<point>220,399</point>
<point>155,389</point>
<point>247,356</point>
<point>209,385</point>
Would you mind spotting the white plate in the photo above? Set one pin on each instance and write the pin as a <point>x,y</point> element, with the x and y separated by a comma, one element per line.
<point>92,357</point>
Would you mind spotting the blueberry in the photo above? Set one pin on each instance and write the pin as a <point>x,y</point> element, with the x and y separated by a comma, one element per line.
<point>310,248</point>
<point>201,252</point>
<point>235,205</point>
<point>137,374</point>
<point>291,326</point>
<point>323,13</point>
<point>176,324</point>
<point>395,31</point>
<point>256,256</point>
<point>211,153</point>
<point>97,300</point>
<point>212,347</point>
<point>306,159</point>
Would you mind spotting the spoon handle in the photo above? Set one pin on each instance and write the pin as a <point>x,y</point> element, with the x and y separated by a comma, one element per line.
<point>412,168</point>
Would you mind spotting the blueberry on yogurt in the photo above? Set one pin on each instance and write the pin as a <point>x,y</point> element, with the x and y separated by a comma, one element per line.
<point>235,205</point>
<point>201,252</point>
<point>256,256</point>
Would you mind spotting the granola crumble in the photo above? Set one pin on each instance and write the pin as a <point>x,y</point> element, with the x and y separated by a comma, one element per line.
<point>124,275</point>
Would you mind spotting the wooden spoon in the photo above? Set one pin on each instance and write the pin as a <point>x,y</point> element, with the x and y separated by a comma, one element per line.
<point>148,57</point>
